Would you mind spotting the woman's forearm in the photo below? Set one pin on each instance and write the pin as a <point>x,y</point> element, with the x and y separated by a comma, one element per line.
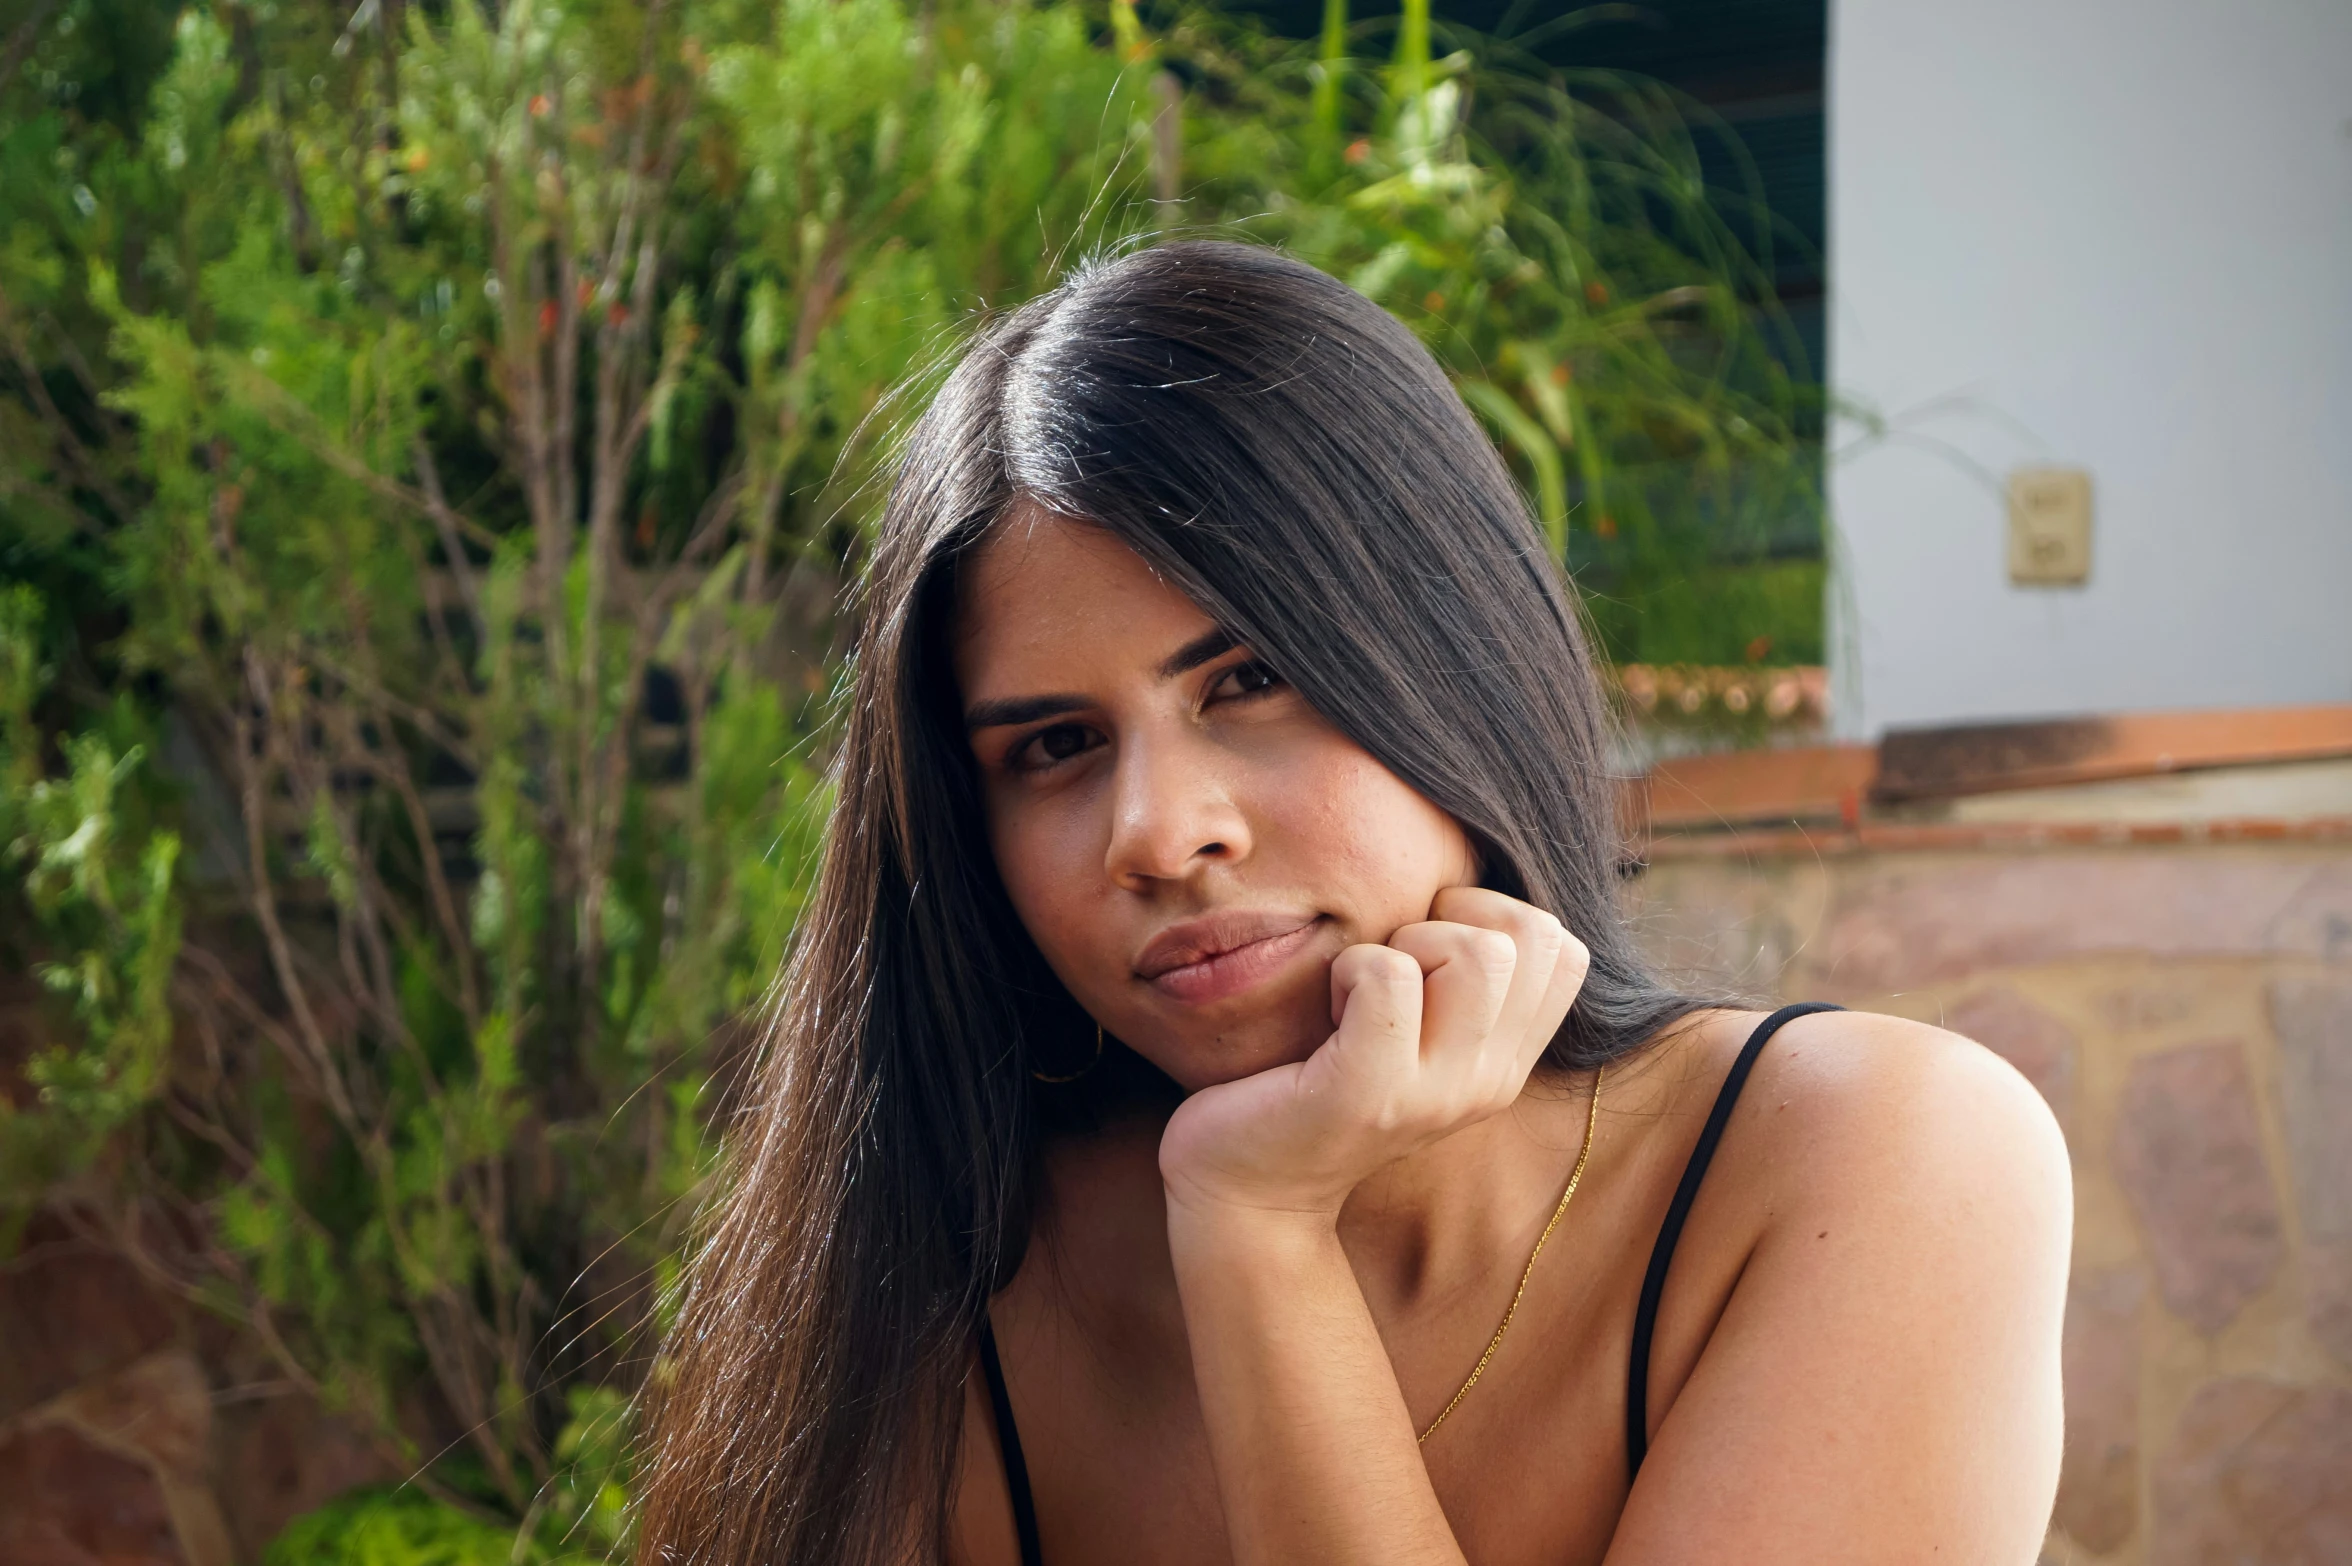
<point>1434,1031</point>
<point>1314,1450</point>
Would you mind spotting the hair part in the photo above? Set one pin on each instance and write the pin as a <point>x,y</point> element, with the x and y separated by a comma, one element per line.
<point>1292,458</point>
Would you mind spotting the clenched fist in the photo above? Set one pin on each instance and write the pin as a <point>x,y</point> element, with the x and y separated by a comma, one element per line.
<point>1434,1031</point>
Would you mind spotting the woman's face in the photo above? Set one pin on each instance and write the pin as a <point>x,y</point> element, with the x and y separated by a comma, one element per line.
<point>1188,842</point>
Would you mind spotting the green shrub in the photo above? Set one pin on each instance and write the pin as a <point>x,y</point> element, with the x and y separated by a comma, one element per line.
<point>390,1527</point>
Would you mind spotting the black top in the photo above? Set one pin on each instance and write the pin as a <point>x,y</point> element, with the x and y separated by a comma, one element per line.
<point>1645,1316</point>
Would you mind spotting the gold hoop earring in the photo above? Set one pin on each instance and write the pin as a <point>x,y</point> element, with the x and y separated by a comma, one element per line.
<point>1082,1070</point>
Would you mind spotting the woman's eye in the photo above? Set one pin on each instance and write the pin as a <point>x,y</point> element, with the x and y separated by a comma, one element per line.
<point>1248,679</point>
<point>1050,745</point>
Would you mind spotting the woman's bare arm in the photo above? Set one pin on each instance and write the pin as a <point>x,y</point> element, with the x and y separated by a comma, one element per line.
<point>1883,1384</point>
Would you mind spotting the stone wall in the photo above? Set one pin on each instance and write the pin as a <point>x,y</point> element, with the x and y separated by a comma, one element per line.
<point>137,1432</point>
<point>2187,1013</point>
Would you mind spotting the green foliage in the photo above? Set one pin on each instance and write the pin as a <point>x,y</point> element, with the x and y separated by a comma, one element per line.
<point>431,439</point>
<point>1555,244</point>
<point>580,1517</point>
<point>390,1528</point>
<point>96,882</point>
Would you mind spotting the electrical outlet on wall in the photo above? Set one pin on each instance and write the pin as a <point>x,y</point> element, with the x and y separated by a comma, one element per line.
<point>2049,527</point>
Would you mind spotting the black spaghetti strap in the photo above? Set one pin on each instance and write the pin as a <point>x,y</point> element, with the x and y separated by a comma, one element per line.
<point>1008,1442</point>
<point>1645,1315</point>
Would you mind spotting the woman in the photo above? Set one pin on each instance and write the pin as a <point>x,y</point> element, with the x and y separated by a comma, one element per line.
<point>1215,1110</point>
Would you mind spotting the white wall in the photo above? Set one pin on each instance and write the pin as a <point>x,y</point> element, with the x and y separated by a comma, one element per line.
<point>2114,234</point>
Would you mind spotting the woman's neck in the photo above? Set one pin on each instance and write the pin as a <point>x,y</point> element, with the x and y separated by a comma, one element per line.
<point>1420,1236</point>
<point>1433,1227</point>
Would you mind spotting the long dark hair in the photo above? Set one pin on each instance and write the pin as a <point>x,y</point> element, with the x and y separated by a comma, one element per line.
<point>1291,457</point>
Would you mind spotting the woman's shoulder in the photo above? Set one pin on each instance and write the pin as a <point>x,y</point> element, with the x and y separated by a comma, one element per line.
<point>1866,1112</point>
<point>1874,1084</point>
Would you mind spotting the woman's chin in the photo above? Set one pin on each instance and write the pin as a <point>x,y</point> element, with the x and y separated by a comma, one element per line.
<point>1204,1063</point>
<point>1279,1023</point>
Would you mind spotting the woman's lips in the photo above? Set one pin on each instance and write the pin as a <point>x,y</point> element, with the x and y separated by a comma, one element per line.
<point>1218,975</point>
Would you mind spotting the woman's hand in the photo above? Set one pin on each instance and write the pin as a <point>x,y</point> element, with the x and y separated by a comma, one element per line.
<point>1435,1031</point>
<point>1308,1429</point>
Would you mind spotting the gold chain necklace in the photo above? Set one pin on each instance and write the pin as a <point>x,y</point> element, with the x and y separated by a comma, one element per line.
<point>1592,1115</point>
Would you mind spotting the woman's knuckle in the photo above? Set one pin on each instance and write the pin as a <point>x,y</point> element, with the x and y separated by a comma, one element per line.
<point>1379,967</point>
<point>1494,951</point>
<point>1454,900</point>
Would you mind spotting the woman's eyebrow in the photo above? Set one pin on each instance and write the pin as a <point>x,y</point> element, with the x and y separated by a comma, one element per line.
<point>1005,711</point>
<point>1215,642</point>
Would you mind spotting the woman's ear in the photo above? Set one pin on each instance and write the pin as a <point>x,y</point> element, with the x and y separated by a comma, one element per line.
<point>1491,868</point>
<point>1482,860</point>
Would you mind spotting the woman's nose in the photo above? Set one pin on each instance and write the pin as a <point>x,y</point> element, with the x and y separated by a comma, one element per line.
<point>1172,815</point>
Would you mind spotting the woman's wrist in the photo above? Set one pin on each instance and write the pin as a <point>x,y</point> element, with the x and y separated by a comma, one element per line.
<point>1241,1269</point>
<point>1198,1214</point>
<point>1240,1249</point>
